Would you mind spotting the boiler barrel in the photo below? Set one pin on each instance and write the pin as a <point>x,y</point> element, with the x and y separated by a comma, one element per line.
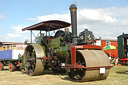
<point>62,52</point>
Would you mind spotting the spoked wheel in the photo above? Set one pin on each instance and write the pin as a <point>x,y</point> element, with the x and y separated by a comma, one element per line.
<point>77,73</point>
<point>1,66</point>
<point>33,65</point>
<point>89,58</point>
<point>11,66</point>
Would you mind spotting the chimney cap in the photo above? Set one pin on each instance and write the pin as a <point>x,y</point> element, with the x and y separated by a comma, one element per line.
<point>73,6</point>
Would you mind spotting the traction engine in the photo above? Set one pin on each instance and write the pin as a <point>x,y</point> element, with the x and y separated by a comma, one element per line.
<point>65,51</point>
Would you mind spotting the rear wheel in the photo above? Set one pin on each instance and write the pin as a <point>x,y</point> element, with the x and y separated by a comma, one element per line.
<point>1,66</point>
<point>33,65</point>
<point>11,66</point>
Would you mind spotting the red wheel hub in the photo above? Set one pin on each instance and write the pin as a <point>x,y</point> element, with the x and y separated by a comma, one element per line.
<point>10,66</point>
<point>0,65</point>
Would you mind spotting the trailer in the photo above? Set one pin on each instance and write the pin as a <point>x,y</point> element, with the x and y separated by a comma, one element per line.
<point>11,56</point>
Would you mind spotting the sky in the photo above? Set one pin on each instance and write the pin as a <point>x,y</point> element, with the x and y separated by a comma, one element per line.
<point>105,18</point>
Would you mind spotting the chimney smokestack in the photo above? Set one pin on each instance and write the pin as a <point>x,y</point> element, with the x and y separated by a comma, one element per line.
<point>73,12</point>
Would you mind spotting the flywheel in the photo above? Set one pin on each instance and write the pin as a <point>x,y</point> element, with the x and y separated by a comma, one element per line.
<point>32,64</point>
<point>89,58</point>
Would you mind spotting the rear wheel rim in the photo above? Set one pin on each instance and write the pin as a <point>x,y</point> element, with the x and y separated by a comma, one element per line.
<point>33,65</point>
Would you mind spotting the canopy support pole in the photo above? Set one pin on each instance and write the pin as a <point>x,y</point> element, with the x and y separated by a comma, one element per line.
<point>31,36</point>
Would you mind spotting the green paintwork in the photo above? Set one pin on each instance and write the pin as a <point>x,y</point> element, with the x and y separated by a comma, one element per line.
<point>39,40</point>
<point>43,47</point>
<point>22,61</point>
<point>55,43</point>
<point>62,52</point>
<point>121,45</point>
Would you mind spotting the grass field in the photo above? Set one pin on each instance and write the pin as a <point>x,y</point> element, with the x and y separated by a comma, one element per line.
<point>117,76</point>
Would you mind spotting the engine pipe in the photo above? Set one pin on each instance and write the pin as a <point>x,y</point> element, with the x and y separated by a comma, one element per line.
<point>73,12</point>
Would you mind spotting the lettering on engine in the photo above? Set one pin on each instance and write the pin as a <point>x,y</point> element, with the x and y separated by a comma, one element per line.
<point>78,46</point>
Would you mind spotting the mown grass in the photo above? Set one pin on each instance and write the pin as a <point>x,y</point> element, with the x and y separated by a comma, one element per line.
<point>117,76</point>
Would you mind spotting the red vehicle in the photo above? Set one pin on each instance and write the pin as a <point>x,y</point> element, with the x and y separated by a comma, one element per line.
<point>112,53</point>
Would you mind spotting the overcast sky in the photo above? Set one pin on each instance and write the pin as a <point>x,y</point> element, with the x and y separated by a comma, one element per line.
<point>105,18</point>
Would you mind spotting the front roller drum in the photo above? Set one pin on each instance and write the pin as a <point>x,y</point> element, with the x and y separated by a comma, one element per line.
<point>89,58</point>
<point>33,65</point>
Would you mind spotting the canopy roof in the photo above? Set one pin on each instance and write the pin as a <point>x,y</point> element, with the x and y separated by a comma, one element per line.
<point>48,25</point>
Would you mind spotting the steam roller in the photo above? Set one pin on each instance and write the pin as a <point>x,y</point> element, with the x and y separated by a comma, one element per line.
<point>65,51</point>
